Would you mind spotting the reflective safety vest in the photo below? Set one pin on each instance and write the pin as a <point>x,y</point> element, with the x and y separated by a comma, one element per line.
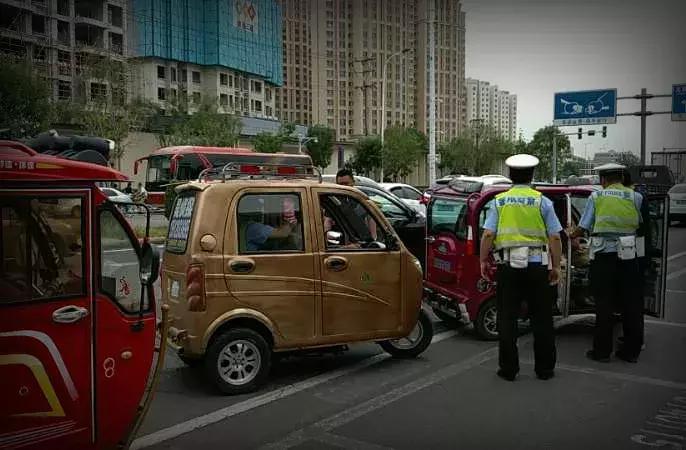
<point>520,221</point>
<point>615,211</point>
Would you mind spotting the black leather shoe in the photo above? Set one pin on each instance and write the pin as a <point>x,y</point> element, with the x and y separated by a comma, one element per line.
<point>626,357</point>
<point>545,375</point>
<point>506,376</point>
<point>590,354</point>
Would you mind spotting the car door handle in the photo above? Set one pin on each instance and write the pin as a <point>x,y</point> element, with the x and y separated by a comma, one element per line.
<point>430,239</point>
<point>336,263</point>
<point>242,266</point>
<point>69,314</point>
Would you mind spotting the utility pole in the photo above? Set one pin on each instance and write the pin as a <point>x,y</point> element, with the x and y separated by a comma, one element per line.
<point>364,87</point>
<point>432,92</point>
<point>643,114</point>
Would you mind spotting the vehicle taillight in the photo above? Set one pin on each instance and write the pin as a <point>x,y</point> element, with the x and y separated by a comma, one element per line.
<point>469,248</point>
<point>195,288</point>
<point>286,170</point>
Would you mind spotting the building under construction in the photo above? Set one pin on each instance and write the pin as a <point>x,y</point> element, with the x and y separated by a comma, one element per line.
<point>60,37</point>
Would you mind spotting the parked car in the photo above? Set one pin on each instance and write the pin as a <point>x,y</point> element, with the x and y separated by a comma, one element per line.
<point>407,222</point>
<point>410,195</point>
<point>115,195</point>
<point>677,202</point>
<point>485,180</point>
<point>359,181</point>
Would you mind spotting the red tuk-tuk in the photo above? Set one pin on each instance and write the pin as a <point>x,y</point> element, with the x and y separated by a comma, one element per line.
<point>453,284</point>
<point>78,325</point>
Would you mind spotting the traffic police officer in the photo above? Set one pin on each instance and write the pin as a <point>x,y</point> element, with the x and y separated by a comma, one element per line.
<point>612,216</point>
<point>525,231</point>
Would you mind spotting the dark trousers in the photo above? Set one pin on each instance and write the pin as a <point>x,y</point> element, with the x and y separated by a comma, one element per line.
<point>530,285</point>
<point>616,283</point>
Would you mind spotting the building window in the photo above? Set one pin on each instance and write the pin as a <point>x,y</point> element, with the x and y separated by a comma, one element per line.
<point>98,91</point>
<point>38,24</point>
<point>223,99</point>
<point>172,74</point>
<point>256,87</point>
<point>63,8</point>
<point>268,94</point>
<point>161,94</point>
<point>196,77</point>
<point>63,90</point>
<point>230,81</point>
<point>223,79</point>
<point>115,16</point>
<point>258,106</point>
<point>161,72</point>
<point>196,97</point>
<point>184,76</point>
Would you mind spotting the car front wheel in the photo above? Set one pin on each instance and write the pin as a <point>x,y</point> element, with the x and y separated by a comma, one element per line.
<point>238,361</point>
<point>486,323</point>
<point>413,344</point>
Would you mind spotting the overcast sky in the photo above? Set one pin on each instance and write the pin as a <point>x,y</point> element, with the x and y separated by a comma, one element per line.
<point>534,48</point>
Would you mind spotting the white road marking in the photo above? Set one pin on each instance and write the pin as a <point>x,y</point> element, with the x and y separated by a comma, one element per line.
<point>261,400</point>
<point>678,273</point>
<point>620,376</point>
<point>675,291</point>
<point>675,256</point>
<point>669,324</point>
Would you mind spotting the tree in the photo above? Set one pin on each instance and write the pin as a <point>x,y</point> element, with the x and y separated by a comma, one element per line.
<point>272,143</point>
<point>542,147</point>
<point>475,151</point>
<point>25,106</point>
<point>205,127</point>
<point>403,147</point>
<point>628,159</point>
<point>320,150</point>
<point>367,157</point>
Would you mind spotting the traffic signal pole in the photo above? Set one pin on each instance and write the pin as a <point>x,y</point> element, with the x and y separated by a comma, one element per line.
<point>579,134</point>
<point>643,114</point>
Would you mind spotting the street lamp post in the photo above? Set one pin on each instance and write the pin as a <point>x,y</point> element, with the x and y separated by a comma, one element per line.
<point>304,140</point>
<point>383,99</point>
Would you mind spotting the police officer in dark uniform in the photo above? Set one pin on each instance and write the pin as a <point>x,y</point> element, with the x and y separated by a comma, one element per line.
<point>524,229</point>
<point>612,217</point>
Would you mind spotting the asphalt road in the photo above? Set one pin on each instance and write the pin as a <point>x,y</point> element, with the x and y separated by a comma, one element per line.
<point>447,398</point>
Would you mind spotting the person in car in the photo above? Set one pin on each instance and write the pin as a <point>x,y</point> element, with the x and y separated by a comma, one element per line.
<point>525,231</point>
<point>612,217</point>
<point>345,177</point>
<point>258,235</point>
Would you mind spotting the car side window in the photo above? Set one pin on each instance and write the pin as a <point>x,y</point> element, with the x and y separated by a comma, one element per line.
<point>41,249</point>
<point>410,194</point>
<point>349,225</point>
<point>119,265</point>
<point>270,223</point>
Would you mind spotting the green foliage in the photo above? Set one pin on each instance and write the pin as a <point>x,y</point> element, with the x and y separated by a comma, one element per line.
<point>403,147</point>
<point>367,157</point>
<point>542,147</point>
<point>206,127</point>
<point>25,106</point>
<point>628,159</point>
<point>273,143</point>
<point>571,167</point>
<point>476,150</point>
<point>320,151</point>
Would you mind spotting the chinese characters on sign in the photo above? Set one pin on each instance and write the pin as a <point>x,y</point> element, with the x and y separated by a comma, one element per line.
<point>246,17</point>
<point>20,165</point>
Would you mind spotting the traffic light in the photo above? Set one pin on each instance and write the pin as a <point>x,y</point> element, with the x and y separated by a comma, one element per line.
<point>604,131</point>
<point>581,133</point>
<point>591,132</point>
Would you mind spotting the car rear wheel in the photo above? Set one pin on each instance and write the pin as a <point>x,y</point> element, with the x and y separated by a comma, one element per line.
<point>486,324</point>
<point>413,344</point>
<point>238,361</point>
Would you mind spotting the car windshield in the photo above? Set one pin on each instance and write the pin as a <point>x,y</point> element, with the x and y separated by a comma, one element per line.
<point>678,189</point>
<point>448,216</point>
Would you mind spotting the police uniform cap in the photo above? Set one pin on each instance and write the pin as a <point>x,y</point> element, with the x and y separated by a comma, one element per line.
<point>609,168</point>
<point>522,161</point>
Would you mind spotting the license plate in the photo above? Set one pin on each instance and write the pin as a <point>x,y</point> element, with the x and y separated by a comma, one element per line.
<point>442,264</point>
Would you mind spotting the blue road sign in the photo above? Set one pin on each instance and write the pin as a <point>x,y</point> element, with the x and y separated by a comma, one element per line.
<point>679,102</point>
<point>585,107</point>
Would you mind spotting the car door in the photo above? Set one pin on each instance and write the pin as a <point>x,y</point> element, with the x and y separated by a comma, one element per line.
<point>411,227</point>
<point>275,276</point>
<point>655,261</point>
<point>46,319</point>
<point>361,275</point>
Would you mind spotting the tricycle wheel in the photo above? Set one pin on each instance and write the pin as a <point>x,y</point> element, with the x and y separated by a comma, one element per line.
<point>413,344</point>
<point>238,361</point>
<point>486,324</point>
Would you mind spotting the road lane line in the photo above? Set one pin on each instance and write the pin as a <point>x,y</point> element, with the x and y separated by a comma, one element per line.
<point>678,273</point>
<point>261,400</point>
<point>675,256</point>
<point>675,291</point>
<point>618,375</point>
<point>669,324</point>
<point>350,414</point>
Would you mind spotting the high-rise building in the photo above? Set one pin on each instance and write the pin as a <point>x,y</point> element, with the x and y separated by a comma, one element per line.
<point>335,52</point>
<point>491,106</point>
<point>225,52</point>
<point>59,37</point>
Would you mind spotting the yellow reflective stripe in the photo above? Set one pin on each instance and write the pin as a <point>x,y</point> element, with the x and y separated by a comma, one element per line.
<point>43,380</point>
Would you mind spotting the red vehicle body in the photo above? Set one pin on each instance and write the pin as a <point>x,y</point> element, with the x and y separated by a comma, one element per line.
<point>453,283</point>
<point>184,163</point>
<point>76,347</point>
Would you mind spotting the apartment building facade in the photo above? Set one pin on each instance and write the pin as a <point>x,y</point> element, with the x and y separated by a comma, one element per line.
<point>60,38</point>
<point>335,52</point>
<point>488,105</point>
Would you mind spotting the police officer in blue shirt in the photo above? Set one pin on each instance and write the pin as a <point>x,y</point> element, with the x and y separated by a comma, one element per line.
<point>612,217</point>
<point>522,225</point>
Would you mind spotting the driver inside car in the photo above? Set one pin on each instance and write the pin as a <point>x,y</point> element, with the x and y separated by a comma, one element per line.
<point>258,235</point>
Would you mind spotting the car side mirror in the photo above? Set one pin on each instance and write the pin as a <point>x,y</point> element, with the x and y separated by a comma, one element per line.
<point>149,264</point>
<point>334,237</point>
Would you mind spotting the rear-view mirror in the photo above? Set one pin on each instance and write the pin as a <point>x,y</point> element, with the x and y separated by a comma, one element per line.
<point>149,264</point>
